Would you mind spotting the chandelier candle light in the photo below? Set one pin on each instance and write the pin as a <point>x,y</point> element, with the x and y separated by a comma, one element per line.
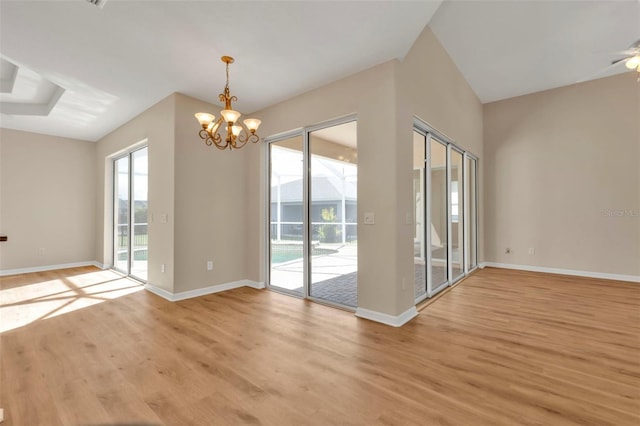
<point>237,135</point>
<point>633,62</point>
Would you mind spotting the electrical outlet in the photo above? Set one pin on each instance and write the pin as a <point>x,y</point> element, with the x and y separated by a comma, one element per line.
<point>210,265</point>
<point>532,250</point>
<point>162,268</point>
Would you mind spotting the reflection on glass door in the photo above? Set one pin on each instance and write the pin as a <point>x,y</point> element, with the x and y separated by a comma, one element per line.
<point>286,218</point>
<point>333,201</point>
<point>130,182</point>
<point>456,216</point>
<point>121,214</point>
<point>439,229</point>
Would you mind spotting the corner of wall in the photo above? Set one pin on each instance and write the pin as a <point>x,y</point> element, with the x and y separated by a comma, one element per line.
<point>155,126</point>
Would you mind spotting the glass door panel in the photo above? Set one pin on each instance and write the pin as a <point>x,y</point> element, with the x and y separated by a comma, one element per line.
<point>121,214</point>
<point>139,214</point>
<point>437,205</point>
<point>419,235</point>
<point>286,217</point>
<point>445,205</point>
<point>471,217</point>
<point>333,243</point>
<point>457,216</point>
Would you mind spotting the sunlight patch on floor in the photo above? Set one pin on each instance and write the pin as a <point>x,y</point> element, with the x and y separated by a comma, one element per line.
<point>23,305</point>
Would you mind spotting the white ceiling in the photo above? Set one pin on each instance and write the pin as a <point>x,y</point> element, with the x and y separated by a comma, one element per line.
<point>511,48</point>
<point>114,62</point>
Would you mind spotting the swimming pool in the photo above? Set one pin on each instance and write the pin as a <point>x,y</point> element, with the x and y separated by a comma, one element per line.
<point>281,253</point>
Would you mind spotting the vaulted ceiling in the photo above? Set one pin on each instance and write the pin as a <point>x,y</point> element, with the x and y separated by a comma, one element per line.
<point>90,69</point>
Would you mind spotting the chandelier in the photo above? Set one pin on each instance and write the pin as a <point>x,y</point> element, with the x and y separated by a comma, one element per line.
<point>237,135</point>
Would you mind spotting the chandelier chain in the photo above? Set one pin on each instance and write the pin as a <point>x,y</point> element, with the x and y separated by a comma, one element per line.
<point>226,86</point>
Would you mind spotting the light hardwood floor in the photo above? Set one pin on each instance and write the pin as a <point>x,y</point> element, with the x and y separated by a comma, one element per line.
<point>502,348</point>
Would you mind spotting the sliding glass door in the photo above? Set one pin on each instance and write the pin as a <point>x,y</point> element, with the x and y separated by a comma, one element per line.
<point>121,214</point>
<point>420,216</point>
<point>286,261</point>
<point>333,203</point>
<point>139,246</point>
<point>313,214</point>
<point>444,194</point>
<point>130,213</point>
<point>471,213</point>
<point>437,202</point>
<point>456,216</point>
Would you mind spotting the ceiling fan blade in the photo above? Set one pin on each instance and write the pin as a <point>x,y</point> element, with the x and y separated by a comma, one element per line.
<point>635,45</point>
<point>628,52</point>
<point>599,73</point>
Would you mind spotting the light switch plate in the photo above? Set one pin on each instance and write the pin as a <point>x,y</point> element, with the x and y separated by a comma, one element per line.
<point>369,218</point>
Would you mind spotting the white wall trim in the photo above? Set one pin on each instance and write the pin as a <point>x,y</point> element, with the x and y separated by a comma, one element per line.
<point>159,292</point>
<point>589,274</point>
<point>6,272</point>
<point>175,297</point>
<point>255,284</point>
<point>394,321</point>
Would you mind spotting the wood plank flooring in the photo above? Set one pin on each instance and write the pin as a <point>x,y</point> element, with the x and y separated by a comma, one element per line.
<point>502,348</point>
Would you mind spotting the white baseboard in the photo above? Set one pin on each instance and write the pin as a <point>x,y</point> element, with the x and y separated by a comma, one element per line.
<point>394,321</point>
<point>175,297</point>
<point>577,273</point>
<point>255,284</point>
<point>159,292</point>
<point>6,272</point>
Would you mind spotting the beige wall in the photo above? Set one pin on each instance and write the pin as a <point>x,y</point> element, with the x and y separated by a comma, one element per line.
<point>215,200</point>
<point>430,87</point>
<point>155,127</point>
<point>370,94</point>
<point>385,98</point>
<point>438,94</point>
<point>562,177</point>
<point>560,169</point>
<point>47,204</point>
<point>210,204</point>
<point>200,189</point>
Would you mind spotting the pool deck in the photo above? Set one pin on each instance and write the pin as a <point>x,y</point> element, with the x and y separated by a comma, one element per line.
<point>333,276</point>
